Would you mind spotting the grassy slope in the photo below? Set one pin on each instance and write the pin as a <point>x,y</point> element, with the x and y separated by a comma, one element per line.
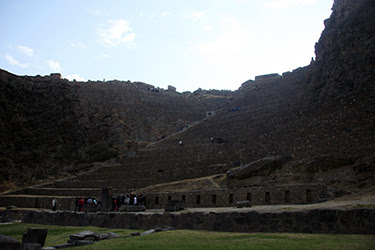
<point>188,239</point>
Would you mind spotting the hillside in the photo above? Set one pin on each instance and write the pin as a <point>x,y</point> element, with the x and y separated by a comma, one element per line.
<point>51,127</point>
<point>320,116</point>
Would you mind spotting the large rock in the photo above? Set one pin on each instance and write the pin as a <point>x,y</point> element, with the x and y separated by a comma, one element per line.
<point>35,235</point>
<point>9,243</point>
<point>264,166</point>
<point>85,235</point>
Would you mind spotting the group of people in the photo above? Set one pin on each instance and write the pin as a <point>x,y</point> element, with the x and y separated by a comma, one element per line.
<point>129,199</point>
<point>81,201</point>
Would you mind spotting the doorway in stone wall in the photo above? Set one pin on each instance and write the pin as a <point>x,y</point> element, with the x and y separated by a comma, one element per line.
<point>230,198</point>
<point>214,199</point>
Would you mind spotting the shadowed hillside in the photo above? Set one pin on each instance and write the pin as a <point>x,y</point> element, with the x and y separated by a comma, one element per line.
<point>51,127</point>
<point>320,117</point>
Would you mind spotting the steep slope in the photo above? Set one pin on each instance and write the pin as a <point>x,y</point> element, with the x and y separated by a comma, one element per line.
<point>50,127</point>
<point>322,111</point>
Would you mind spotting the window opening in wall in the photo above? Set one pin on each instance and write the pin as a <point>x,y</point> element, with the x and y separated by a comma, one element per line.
<point>156,200</point>
<point>230,198</point>
<point>248,196</point>
<point>308,196</point>
<point>198,199</point>
<point>268,197</point>
<point>214,199</point>
<point>169,197</point>
<point>183,198</point>
<point>287,196</point>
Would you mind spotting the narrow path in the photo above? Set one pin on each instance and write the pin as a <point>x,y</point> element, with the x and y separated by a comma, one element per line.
<point>182,131</point>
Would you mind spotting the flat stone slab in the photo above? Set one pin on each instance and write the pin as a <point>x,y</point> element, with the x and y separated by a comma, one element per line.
<point>85,235</point>
<point>81,242</point>
<point>148,232</point>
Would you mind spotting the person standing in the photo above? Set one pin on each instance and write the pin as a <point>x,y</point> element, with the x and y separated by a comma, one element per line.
<point>54,204</point>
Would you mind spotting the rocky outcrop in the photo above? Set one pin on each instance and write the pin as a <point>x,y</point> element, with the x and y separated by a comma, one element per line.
<point>344,53</point>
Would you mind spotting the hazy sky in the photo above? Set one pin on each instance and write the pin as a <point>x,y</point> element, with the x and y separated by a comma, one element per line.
<point>189,44</point>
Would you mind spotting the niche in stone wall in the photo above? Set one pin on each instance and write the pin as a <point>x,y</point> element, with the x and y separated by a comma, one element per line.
<point>169,197</point>
<point>287,196</point>
<point>268,198</point>
<point>198,199</point>
<point>183,198</point>
<point>156,200</point>
<point>230,198</point>
<point>308,195</point>
<point>214,199</point>
<point>248,196</point>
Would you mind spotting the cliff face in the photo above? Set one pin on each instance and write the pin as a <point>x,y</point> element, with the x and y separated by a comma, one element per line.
<point>345,58</point>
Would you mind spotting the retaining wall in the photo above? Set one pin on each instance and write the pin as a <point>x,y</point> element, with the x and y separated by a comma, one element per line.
<point>264,195</point>
<point>355,221</point>
<point>24,201</point>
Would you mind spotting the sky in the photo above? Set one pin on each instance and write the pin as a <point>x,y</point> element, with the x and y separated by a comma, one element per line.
<point>189,44</point>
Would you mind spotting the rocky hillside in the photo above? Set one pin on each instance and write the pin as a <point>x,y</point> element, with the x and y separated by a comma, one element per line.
<point>50,127</point>
<point>325,110</point>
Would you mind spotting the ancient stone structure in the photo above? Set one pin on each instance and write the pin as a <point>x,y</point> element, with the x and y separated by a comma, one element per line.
<point>321,116</point>
<point>267,78</point>
<point>270,195</point>
<point>353,221</point>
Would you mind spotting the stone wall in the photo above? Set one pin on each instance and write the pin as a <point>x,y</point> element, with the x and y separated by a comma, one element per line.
<point>63,192</point>
<point>45,202</point>
<point>268,77</point>
<point>272,195</point>
<point>355,221</point>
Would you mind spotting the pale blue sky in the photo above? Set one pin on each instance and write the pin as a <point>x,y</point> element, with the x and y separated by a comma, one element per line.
<point>190,44</point>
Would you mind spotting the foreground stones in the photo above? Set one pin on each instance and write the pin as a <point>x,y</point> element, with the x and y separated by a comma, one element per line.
<point>9,243</point>
<point>35,238</point>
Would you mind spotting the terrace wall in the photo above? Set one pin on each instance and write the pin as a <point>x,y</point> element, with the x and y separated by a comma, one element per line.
<point>353,221</point>
<point>265,195</point>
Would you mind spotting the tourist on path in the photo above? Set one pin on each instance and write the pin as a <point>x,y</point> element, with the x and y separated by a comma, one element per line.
<point>54,204</point>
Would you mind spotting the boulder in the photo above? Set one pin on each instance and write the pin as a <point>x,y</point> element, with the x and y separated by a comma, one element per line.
<point>35,235</point>
<point>9,243</point>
